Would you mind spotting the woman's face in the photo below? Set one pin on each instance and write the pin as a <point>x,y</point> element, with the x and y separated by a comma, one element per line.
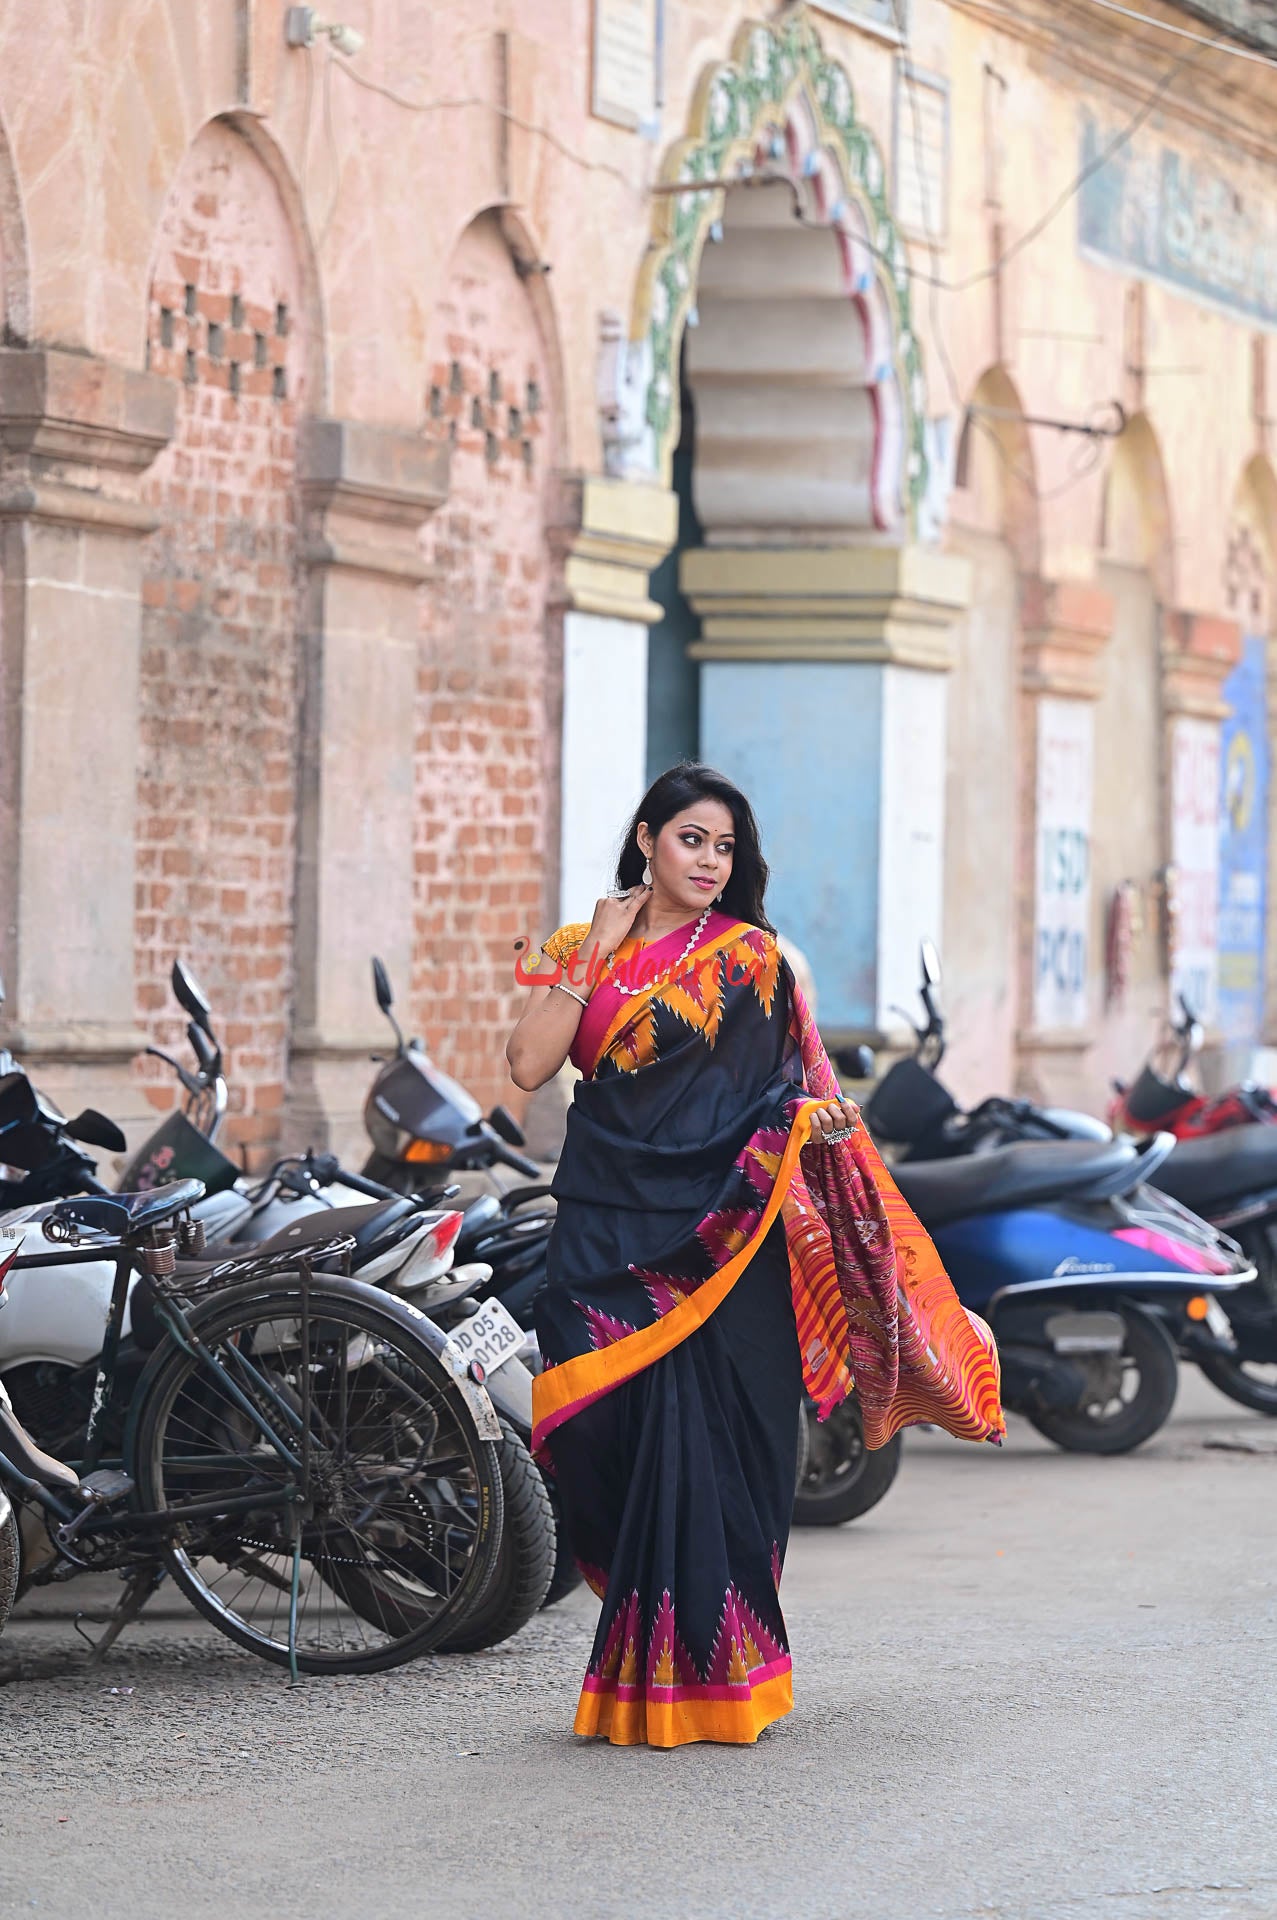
<point>692,855</point>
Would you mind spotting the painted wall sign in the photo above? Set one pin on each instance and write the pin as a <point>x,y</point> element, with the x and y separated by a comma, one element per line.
<point>1061,944</point>
<point>625,60</point>
<point>1195,858</point>
<point>1243,846</point>
<point>1152,211</point>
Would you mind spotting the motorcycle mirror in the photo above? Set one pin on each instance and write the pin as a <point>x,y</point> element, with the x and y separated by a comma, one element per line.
<point>857,1063</point>
<point>930,963</point>
<point>503,1122</point>
<point>18,1104</point>
<point>191,996</point>
<point>381,986</point>
<point>95,1130</point>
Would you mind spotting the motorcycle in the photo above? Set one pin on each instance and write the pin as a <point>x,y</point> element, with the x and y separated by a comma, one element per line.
<point>1167,1101</point>
<point>54,1335</point>
<point>1086,1273</point>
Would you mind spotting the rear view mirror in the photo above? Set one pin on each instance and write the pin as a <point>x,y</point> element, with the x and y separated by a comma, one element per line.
<point>930,963</point>
<point>856,1063</point>
<point>95,1130</point>
<point>381,986</point>
<point>18,1104</point>
<point>191,996</point>
<point>503,1122</point>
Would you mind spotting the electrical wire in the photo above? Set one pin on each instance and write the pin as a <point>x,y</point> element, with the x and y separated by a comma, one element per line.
<point>1186,33</point>
<point>502,113</point>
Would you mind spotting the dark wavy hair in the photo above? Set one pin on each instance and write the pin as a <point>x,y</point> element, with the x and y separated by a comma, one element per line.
<point>674,791</point>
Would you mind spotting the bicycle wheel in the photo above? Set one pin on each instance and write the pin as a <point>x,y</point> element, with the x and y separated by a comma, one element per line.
<point>400,1488</point>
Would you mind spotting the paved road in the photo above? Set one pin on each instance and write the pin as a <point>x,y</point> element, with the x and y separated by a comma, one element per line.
<point>1030,1687</point>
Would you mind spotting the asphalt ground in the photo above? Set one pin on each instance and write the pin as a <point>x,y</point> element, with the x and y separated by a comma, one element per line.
<point>1029,1685</point>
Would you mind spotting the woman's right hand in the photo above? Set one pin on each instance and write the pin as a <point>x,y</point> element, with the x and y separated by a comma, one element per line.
<point>612,922</point>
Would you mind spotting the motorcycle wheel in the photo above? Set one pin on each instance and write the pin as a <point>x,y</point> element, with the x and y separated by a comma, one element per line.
<point>525,1561</point>
<point>1252,1315</point>
<point>1118,1424</point>
<point>841,1478</point>
<point>10,1563</point>
<point>1258,1391</point>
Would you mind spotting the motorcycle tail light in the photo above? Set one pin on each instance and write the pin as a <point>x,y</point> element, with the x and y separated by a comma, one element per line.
<point>430,1151</point>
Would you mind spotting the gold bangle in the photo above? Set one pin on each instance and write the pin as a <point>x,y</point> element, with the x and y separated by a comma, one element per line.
<point>572,995</point>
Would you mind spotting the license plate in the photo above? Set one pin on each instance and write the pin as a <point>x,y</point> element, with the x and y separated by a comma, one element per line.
<point>1217,1320</point>
<point>491,1336</point>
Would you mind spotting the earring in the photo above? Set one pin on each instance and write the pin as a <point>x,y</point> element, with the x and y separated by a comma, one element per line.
<point>647,873</point>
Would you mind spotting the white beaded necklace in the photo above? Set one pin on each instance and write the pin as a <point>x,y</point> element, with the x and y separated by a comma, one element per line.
<point>660,981</point>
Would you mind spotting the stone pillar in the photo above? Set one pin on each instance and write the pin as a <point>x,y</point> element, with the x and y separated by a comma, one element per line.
<point>823,693</point>
<point>1066,624</point>
<point>366,493</point>
<point>613,533</point>
<point>1199,651</point>
<point>76,434</point>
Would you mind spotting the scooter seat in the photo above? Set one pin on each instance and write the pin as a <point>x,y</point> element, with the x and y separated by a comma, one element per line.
<point>1019,1176</point>
<point>1205,1175</point>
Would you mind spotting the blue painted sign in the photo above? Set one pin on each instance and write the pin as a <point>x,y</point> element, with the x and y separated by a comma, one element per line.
<point>1152,211</point>
<point>1243,846</point>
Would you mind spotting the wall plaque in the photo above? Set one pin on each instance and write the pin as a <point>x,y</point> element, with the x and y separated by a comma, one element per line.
<point>1155,212</point>
<point>626,50</point>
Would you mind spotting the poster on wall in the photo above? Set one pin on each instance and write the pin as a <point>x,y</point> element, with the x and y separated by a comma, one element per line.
<point>1061,958</point>
<point>1243,846</point>
<point>1195,761</point>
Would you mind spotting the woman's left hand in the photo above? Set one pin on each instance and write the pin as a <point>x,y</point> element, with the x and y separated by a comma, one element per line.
<point>839,1114</point>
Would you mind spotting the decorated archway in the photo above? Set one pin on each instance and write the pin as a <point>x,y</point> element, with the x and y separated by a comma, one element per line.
<point>780,111</point>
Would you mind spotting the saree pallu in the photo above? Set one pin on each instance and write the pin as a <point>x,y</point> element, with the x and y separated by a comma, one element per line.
<point>707,1265</point>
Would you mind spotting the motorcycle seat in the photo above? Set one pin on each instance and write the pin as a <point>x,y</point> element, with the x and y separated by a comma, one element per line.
<point>1019,1176</point>
<point>122,1213</point>
<point>1206,1174</point>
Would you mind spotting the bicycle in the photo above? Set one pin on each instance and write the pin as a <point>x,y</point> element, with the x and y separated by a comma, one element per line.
<point>302,1454</point>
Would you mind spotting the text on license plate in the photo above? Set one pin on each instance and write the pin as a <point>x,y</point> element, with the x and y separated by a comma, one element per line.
<point>490,1336</point>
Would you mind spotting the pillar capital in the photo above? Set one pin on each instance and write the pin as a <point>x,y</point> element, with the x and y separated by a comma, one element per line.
<point>76,436</point>
<point>609,534</point>
<point>1066,625</point>
<point>871,604</point>
<point>1199,651</point>
<point>367,492</point>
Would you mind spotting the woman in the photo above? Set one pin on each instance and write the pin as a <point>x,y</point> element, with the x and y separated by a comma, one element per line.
<point>726,1236</point>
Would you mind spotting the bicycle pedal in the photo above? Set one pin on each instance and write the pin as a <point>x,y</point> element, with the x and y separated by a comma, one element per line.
<point>106,1485</point>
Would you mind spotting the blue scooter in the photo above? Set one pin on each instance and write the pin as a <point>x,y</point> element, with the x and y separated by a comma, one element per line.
<point>1064,1246</point>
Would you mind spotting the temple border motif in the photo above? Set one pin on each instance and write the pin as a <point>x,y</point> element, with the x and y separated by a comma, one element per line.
<point>778,96</point>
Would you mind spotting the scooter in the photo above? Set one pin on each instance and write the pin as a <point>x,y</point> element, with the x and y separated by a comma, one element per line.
<point>1087,1275</point>
<point>1227,1176</point>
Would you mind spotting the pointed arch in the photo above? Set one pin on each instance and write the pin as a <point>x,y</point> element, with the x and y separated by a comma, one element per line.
<point>780,108</point>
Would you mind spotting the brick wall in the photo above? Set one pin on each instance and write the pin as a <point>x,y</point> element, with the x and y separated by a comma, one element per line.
<point>484,759</point>
<point>219,652</point>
